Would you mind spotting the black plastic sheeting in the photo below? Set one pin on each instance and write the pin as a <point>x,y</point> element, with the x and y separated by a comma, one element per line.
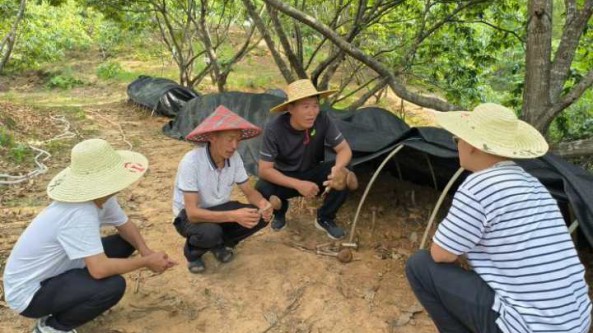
<point>429,157</point>
<point>163,96</point>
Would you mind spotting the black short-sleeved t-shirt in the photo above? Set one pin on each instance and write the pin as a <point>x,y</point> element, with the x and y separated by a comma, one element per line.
<point>294,150</point>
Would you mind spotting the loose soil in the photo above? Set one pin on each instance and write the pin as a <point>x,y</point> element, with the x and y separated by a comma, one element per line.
<point>274,284</point>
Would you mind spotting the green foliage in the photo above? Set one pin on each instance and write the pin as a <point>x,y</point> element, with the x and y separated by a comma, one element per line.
<point>20,153</point>
<point>17,152</point>
<point>6,138</point>
<point>64,79</point>
<point>109,70</point>
<point>48,32</point>
<point>574,123</point>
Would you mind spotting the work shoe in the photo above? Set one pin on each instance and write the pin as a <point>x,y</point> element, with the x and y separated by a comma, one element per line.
<point>222,254</point>
<point>278,223</point>
<point>197,266</point>
<point>330,227</point>
<point>41,327</point>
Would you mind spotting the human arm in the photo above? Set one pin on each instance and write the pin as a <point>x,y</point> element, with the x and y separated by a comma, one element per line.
<point>461,230</point>
<point>343,154</point>
<point>255,198</point>
<point>440,255</point>
<point>247,217</point>
<point>131,234</point>
<point>305,188</point>
<point>100,266</point>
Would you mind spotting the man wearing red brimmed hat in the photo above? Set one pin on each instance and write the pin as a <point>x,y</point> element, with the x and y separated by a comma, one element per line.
<point>292,157</point>
<point>205,178</point>
<point>526,275</point>
<point>61,270</point>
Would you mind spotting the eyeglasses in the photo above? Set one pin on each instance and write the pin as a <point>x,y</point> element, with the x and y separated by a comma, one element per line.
<point>455,140</point>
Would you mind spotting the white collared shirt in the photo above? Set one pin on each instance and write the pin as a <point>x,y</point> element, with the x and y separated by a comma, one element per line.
<point>197,172</point>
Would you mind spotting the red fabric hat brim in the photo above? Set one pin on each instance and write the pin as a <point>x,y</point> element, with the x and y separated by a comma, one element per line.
<point>223,119</point>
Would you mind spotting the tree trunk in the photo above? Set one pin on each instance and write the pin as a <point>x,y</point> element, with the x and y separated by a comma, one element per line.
<point>576,148</point>
<point>8,41</point>
<point>295,64</point>
<point>251,10</point>
<point>536,96</point>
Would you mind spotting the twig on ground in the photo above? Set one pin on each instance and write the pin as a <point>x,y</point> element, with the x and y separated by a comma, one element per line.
<point>121,130</point>
<point>292,306</point>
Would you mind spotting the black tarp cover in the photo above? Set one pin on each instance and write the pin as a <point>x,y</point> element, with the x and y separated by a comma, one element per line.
<point>373,132</point>
<point>163,96</point>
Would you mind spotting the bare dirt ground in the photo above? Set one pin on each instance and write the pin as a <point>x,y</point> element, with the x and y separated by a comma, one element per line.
<point>272,285</point>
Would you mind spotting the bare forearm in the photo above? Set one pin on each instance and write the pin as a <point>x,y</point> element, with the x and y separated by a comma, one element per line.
<point>107,267</point>
<point>131,234</point>
<point>274,176</point>
<point>255,198</point>
<point>343,158</point>
<point>197,215</point>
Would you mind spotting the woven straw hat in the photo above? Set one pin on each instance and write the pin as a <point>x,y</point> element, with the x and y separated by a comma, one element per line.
<point>223,119</point>
<point>298,90</point>
<point>96,170</point>
<point>496,130</point>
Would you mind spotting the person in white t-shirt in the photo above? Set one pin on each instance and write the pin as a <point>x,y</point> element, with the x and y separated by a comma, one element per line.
<point>525,274</point>
<point>60,270</point>
<point>205,215</point>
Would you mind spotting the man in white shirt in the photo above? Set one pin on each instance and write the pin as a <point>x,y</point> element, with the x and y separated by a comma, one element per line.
<point>526,275</point>
<point>61,270</point>
<point>205,216</point>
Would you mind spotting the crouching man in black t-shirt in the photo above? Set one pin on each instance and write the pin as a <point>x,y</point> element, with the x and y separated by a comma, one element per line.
<point>292,156</point>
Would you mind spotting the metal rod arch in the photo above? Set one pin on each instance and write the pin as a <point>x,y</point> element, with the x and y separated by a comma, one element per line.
<point>368,188</point>
<point>438,205</point>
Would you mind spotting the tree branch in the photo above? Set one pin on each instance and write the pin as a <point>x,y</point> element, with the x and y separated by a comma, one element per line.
<point>495,27</point>
<point>286,73</point>
<point>292,58</point>
<point>573,149</point>
<point>575,93</point>
<point>576,21</point>
<point>10,38</point>
<point>356,53</point>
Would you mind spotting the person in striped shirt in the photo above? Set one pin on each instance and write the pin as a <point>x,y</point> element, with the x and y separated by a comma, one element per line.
<point>526,275</point>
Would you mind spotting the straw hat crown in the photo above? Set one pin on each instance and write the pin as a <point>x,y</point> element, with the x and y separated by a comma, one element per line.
<point>96,170</point>
<point>496,130</point>
<point>298,90</point>
<point>223,119</point>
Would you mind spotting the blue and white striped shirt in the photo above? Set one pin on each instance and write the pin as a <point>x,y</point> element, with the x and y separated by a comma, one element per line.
<point>516,240</point>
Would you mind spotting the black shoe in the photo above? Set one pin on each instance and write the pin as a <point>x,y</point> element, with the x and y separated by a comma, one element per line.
<point>197,266</point>
<point>278,223</point>
<point>329,226</point>
<point>222,254</point>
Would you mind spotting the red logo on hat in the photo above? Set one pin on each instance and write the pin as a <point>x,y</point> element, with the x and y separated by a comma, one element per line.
<point>134,167</point>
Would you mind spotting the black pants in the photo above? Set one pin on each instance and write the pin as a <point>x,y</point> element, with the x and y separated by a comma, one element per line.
<point>458,301</point>
<point>204,236</point>
<point>318,175</point>
<point>75,297</point>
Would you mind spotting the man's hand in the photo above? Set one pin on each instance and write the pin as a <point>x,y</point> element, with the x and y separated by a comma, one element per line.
<point>146,252</point>
<point>159,262</point>
<point>266,210</point>
<point>247,217</point>
<point>336,178</point>
<point>307,189</point>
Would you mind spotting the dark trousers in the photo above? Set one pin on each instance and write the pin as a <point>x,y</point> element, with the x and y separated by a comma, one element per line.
<point>204,236</point>
<point>332,202</point>
<point>458,301</point>
<point>75,297</point>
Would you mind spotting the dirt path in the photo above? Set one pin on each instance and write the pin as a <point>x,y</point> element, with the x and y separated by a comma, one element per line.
<point>271,286</point>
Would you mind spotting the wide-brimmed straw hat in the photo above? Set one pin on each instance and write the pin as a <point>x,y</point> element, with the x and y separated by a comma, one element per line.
<point>496,130</point>
<point>298,90</point>
<point>223,119</point>
<point>96,170</point>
